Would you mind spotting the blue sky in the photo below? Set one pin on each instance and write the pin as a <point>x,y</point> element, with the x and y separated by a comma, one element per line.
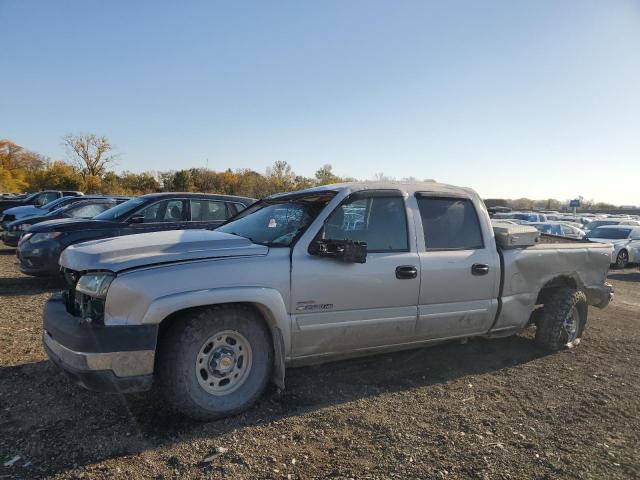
<point>513,98</point>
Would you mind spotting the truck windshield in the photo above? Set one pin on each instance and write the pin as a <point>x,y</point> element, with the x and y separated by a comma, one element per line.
<point>278,222</point>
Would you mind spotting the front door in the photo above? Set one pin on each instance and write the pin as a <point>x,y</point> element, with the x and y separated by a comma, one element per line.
<point>340,307</point>
<point>460,270</point>
<point>163,215</point>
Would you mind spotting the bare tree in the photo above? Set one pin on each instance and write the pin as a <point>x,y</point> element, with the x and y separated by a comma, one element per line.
<point>90,152</point>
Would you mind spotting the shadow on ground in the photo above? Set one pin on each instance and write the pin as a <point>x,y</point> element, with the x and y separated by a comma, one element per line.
<point>24,285</point>
<point>625,277</point>
<point>56,425</point>
<point>7,251</point>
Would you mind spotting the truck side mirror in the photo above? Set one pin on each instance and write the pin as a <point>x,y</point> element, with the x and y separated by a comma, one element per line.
<point>136,219</point>
<point>346,251</point>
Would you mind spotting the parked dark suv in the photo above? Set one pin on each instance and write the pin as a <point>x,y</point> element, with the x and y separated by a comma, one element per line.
<point>87,206</point>
<point>41,245</point>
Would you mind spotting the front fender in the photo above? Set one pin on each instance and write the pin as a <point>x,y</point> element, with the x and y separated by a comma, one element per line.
<point>267,300</point>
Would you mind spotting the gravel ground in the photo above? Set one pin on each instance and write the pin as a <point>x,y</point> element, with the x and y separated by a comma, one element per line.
<point>487,409</point>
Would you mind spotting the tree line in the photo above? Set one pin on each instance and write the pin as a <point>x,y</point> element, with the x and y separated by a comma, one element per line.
<point>92,158</point>
<point>546,204</point>
<point>90,170</point>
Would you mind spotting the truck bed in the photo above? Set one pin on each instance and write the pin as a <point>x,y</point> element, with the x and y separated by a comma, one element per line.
<point>527,270</point>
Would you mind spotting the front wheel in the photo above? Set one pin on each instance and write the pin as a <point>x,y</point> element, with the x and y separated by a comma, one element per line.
<point>215,362</point>
<point>622,259</point>
<point>563,319</point>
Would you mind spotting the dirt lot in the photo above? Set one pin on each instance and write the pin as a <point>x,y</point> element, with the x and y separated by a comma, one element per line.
<point>487,409</point>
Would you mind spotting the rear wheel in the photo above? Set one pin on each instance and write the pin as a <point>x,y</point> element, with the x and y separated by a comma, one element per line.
<point>563,319</point>
<point>622,259</point>
<point>215,362</point>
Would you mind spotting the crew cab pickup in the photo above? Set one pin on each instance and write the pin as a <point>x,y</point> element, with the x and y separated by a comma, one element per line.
<point>317,275</point>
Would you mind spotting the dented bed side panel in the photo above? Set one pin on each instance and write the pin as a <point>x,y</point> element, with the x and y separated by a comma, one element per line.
<point>528,270</point>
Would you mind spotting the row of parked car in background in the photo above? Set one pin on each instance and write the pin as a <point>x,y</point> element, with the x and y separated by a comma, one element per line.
<point>621,231</point>
<point>43,224</point>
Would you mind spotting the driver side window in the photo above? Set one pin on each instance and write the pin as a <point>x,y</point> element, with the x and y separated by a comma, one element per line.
<point>380,221</point>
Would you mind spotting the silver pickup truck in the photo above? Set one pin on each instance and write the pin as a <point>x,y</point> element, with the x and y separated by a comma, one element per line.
<point>342,270</point>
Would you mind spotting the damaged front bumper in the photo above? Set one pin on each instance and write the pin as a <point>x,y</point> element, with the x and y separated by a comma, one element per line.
<point>600,295</point>
<point>98,357</point>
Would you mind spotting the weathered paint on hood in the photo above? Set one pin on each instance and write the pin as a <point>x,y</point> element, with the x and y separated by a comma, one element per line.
<point>130,251</point>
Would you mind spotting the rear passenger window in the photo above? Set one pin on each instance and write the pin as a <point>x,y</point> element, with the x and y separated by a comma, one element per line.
<point>450,224</point>
<point>381,221</point>
<point>208,211</point>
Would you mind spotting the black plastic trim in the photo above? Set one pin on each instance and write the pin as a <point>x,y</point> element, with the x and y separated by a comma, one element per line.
<point>75,335</point>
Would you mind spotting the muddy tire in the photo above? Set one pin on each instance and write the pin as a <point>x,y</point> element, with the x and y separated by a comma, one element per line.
<point>215,362</point>
<point>622,260</point>
<point>563,319</point>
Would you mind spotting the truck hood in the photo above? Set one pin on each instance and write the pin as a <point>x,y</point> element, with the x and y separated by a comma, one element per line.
<point>145,249</point>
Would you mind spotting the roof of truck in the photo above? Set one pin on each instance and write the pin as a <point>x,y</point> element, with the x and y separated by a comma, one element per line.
<point>408,188</point>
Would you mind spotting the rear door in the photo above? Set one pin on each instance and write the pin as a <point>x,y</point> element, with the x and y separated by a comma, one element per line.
<point>460,268</point>
<point>341,307</point>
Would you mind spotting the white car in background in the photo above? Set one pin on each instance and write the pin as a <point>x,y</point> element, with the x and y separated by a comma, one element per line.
<point>603,222</point>
<point>625,240</point>
<point>560,229</point>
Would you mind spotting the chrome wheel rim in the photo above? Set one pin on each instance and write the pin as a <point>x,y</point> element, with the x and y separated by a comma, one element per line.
<point>571,325</point>
<point>223,362</point>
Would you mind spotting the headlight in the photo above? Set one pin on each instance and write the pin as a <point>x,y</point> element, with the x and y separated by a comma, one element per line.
<point>24,226</point>
<point>43,237</point>
<point>95,284</point>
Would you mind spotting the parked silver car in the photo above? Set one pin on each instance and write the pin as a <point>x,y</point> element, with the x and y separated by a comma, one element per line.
<point>625,240</point>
